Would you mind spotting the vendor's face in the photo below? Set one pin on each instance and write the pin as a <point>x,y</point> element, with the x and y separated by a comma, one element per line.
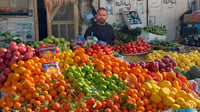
<point>101,17</point>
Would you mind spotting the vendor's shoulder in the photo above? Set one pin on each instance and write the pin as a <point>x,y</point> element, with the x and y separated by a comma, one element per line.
<point>109,25</point>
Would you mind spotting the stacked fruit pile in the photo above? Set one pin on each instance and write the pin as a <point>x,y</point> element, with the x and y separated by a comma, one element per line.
<point>95,83</point>
<point>51,40</point>
<point>139,46</point>
<point>184,60</point>
<point>8,57</point>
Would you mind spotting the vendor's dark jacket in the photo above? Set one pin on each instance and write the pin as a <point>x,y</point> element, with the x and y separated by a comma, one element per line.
<point>102,32</point>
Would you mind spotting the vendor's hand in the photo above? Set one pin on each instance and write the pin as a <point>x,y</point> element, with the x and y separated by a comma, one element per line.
<point>88,37</point>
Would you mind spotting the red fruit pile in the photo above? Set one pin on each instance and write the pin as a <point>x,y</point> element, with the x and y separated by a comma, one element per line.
<point>139,46</point>
<point>94,48</point>
<point>166,64</point>
<point>12,55</point>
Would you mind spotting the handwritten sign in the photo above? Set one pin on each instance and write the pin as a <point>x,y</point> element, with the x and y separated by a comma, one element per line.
<point>170,2</point>
<point>126,3</point>
<point>192,18</point>
<point>155,4</point>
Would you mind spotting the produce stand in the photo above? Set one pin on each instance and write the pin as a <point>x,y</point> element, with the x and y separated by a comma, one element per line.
<point>56,75</point>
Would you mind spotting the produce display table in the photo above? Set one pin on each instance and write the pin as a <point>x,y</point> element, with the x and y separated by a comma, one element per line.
<point>48,76</point>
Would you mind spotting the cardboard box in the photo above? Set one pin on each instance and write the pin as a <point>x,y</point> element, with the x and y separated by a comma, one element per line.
<point>132,19</point>
<point>192,18</point>
<point>150,36</point>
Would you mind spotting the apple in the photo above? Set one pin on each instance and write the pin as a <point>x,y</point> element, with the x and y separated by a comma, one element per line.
<point>168,69</point>
<point>7,71</point>
<point>21,45</point>
<point>174,63</point>
<point>3,78</point>
<point>22,50</point>
<point>162,65</point>
<point>166,60</point>
<point>2,67</point>
<point>3,52</point>
<point>14,48</point>
<point>8,55</point>
<point>16,53</point>
<point>170,65</point>
<point>1,85</point>
<point>162,70</point>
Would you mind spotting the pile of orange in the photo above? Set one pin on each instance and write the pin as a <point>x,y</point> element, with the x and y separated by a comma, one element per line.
<point>30,89</point>
<point>109,64</point>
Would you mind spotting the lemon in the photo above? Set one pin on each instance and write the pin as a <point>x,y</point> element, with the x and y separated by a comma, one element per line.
<point>66,66</point>
<point>67,58</point>
<point>169,101</point>
<point>76,64</point>
<point>153,82</point>
<point>188,96</point>
<point>155,89</point>
<point>61,56</point>
<point>176,107</point>
<point>71,61</point>
<point>172,94</point>
<point>164,92</point>
<point>192,103</point>
<point>197,101</point>
<point>174,89</point>
<point>62,60</point>
<point>72,55</point>
<point>180,100</point>
<point>57,60</point>
<point>186,105</point>
<point>155,98</point>
<point>165,83</point>
<point>182,65</point>
<point>186,61</point>
<point>147,85</point>
<point>180,93</point>
<point>67,54</point>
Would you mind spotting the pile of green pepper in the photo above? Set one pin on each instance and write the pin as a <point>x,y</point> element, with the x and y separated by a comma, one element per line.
<point>164,43</point>
<point>125,35</point>
<point>158,30</point>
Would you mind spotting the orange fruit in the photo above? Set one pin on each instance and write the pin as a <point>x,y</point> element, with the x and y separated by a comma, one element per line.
<point>13,67</point>
<point>148,108</point>
<point>20,63</point>
<point>100,67</point>
<point>116,70</point>
<point>141,108</point>
<point>108,67</point>
<point>140,103</point>
<point>37,103</point>
<point>77,59</point>
<point>17,105</point>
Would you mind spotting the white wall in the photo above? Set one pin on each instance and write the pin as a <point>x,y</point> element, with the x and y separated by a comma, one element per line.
<point>116,5</point>
<point>160,12</point>
<point>167,13</point>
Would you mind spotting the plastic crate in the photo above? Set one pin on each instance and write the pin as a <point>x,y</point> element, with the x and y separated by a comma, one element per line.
<point>137,57</point>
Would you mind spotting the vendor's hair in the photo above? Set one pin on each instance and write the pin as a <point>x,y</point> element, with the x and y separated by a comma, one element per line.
<point>101,8</point>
